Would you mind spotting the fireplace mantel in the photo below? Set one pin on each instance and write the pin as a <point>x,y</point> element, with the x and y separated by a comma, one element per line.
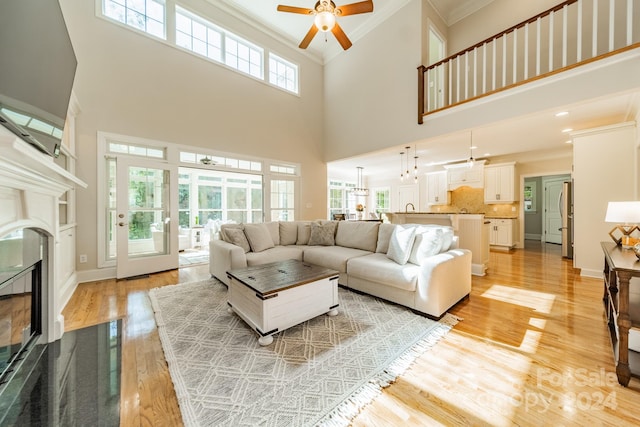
<point>31,185</point>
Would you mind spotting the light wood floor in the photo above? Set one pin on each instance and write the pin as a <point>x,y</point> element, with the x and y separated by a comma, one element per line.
<point>533,349</point>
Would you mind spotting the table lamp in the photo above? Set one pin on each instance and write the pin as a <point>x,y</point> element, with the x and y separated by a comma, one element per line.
<point>626,215</point>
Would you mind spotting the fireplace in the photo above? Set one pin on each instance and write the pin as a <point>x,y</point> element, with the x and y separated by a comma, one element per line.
<point>22,256</point>
<point>37,249</point>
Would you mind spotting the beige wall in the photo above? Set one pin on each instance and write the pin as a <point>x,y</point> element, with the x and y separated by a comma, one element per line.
<point>132,85</point>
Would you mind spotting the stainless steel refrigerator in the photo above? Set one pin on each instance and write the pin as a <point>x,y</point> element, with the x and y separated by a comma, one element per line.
<point>566,211</point>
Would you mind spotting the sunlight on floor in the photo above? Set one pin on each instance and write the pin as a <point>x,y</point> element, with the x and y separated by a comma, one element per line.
<point>539,301</point>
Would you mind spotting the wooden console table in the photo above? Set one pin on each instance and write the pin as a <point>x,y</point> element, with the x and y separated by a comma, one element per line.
<point>620,265</point>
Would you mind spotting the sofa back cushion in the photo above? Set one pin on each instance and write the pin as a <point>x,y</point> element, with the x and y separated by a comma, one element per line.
<point>274,231</point>
<point>322,234</point>
<point>358,235</point>
<point>288,232</point>
<point>304,232</point>
<point>384,235</point>
<point>258,236</point>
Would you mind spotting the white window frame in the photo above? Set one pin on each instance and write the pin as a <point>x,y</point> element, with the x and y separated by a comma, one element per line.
<point>126,5</point>
<point>279,70</point>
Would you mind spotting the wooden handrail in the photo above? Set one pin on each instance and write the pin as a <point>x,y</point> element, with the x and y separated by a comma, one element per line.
<point>500,34</point>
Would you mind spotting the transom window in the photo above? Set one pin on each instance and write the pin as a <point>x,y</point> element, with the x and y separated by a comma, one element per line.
<point>283,73</point>
<point>145,15</point>
<point>202,37</point>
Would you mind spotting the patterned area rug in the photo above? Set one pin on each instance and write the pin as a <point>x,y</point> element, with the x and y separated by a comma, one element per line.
<point>321,372</point>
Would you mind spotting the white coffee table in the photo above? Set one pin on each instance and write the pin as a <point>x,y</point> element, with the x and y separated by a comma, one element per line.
<point>273,297</point>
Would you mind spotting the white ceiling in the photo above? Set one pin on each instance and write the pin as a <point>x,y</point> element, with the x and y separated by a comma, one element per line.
<point>538,135</point>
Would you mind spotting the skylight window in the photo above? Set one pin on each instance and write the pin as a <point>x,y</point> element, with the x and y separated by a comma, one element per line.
<point>145,15</point>
<point>283,73</point>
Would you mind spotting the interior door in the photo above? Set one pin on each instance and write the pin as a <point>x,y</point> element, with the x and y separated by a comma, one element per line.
<point>435,77</point>
<point>552,211</point>
<point>146,238</point>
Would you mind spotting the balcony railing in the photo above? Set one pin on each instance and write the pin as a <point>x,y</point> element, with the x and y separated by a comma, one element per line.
<point>570,34</point>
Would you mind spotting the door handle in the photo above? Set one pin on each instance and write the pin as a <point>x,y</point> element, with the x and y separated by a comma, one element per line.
<point>122,224</point>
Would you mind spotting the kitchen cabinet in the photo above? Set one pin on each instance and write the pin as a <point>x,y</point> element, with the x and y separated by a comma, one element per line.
<point>462,175</point>
<point>437,189</point>
<point>500,183</point>
<point>502,232</point>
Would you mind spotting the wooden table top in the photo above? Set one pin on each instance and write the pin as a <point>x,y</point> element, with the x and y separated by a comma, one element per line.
<point>620,258</point>
<point>275,277</point>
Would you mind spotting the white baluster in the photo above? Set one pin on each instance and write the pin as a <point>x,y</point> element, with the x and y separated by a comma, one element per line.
<point>458,79</point>
<point>594,48</point>
<point>450,83</point>
<point>466,75</point>
<point>515,56</point>
<point>504,60</point>
<point>629,22</point>
<point>612,22</point>
<point>538,36</point>
<point>579,33</point>
<point>475,71</point>
<point>564,35</point>
<point>493,68</point>
<point>551,42</point>
<point>484,67</point>
<point>526,51</point>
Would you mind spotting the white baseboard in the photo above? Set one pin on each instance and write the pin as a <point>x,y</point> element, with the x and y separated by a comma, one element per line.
<point>67,289</point>
<point>97,274</point>
<point>596,274</point>
<point>478,269</point>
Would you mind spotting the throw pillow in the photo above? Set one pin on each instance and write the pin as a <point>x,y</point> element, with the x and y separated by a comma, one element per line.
<point>225,227</point>
<point>274,230</point>
<point>237,237</point>
<point>322,234</point>
<point>304,232</point>
<point>401,243</point>
<point>426,244</point>
<point>258,236</point>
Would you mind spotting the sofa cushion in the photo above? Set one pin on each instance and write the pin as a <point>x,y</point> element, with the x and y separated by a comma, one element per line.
<point>288,232</point>
<point>401,243</point>
<point>379,268</point>
<point>258,236</point>
<point>236,236</point>
<point>428,242</point>
<point>274,231</point>
<point>304,232</point>
<point>334,257</point>
<point>322,234</point>
<point>230,226</point>
<point>358,235</point>
<point>278,253</point>
<point>384,235</point>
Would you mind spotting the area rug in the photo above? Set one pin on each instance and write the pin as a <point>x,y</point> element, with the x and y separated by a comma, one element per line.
<point>321,372</point>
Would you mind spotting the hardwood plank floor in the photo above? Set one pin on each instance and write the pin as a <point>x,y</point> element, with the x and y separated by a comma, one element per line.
<point>533,349</point>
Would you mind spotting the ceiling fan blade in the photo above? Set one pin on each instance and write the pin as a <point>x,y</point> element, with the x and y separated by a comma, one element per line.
<point>355,8</point>
<point>307,39</point>
<point>341,36</point>
<point>293,9</point>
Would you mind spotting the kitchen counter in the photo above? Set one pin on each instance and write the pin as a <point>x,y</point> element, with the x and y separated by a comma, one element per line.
<point>471,228</point>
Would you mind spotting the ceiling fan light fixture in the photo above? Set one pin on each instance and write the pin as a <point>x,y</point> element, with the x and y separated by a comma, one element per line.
<point>325,21</point>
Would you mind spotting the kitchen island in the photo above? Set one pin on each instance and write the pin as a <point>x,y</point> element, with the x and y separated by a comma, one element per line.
<point>472,231</point>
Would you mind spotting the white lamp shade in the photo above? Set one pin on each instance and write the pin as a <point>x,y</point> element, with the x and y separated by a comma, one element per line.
<point>325,21</point>
<point>623,212</point>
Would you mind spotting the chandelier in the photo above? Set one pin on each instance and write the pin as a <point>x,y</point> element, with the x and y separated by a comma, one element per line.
<point>359,190</point>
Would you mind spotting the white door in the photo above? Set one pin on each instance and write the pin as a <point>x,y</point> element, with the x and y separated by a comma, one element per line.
<point>435,77</point>
<point>552,214</point>
<point>146,238</point>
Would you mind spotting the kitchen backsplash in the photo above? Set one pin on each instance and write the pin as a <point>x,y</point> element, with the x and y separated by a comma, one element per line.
<point>471,200</point>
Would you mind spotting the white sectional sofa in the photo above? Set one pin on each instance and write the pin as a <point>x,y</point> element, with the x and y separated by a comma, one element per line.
<point>418,266</point>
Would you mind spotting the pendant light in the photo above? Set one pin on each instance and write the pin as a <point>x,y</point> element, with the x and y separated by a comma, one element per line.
<point>471,160</point>
<point>407,148</point>
<point>401,173</point>
<point>415,163</point>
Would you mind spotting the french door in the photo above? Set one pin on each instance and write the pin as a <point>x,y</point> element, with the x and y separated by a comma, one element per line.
<point>146,235</point>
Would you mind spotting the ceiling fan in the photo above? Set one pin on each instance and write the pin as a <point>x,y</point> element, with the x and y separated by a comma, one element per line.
<point>325,19</point>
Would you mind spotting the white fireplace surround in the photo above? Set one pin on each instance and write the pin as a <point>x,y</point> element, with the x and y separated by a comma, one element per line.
<point>31,185</point>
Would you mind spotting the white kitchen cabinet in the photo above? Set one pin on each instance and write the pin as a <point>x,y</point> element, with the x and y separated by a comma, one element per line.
<point>437,189</point>
<point>500,183</point>
<point>502,232</point>
<point>460,175</point>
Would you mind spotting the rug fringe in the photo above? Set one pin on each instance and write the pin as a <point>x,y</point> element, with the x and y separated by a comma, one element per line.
<point>344,413</point>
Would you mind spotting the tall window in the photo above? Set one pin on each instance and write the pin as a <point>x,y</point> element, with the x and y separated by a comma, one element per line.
<point>282,200</point>
<point>283,73</point>
<point>145,15</point>
<point>341,198</point>
<point>381,199</point>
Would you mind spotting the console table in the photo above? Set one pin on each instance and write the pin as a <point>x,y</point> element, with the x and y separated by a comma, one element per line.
<point>620,265</point>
